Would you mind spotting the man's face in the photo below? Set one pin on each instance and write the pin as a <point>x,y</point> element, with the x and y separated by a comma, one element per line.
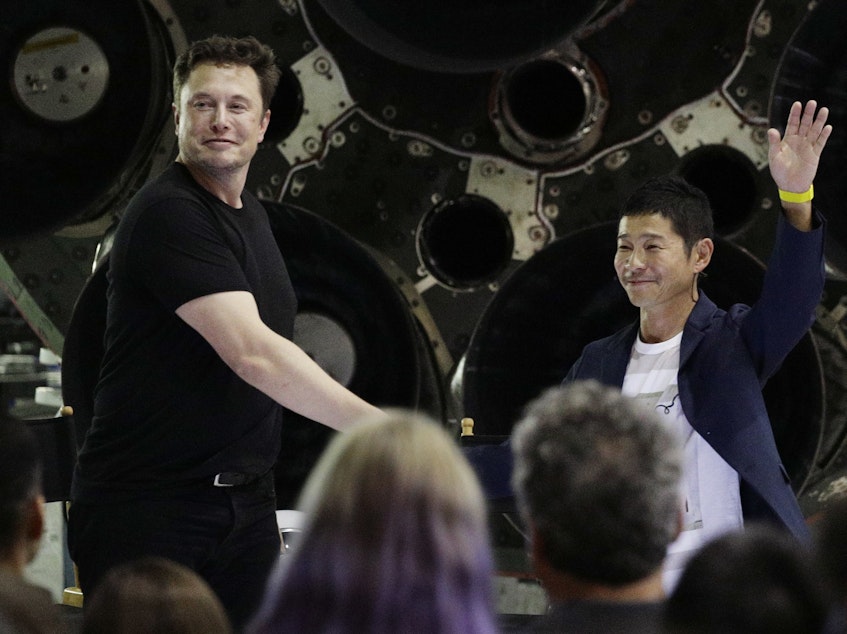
<point>220,120</point>
<point>652,265</point>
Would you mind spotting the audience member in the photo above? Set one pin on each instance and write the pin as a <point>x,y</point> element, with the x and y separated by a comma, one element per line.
<point>23,606</point>
<point>597,482</point>
<point>154,594</point>
<point>21,497</point>
<point>395,540</point>
<point>760,580</point>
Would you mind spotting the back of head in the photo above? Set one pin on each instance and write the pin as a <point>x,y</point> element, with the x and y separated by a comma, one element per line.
<point>686,206</point>
<point>20,478</point>
<point>395,540</point>
<point>757,581</point>
<point>245,51</point>
<point>597,477</point>
<point>154,594</point>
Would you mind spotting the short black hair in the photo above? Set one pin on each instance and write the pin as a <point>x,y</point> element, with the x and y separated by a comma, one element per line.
<point>674,198</point>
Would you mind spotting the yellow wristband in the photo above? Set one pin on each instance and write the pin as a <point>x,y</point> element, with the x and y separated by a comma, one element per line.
<point>797,197</point>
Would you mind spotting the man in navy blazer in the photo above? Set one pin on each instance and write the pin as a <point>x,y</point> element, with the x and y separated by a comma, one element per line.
<point>721,396</point>
<point>703,368</point>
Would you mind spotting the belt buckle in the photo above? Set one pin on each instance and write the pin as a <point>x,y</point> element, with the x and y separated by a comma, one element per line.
<point>218,482</point>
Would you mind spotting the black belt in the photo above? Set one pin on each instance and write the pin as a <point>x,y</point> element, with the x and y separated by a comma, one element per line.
<point>233,479</point>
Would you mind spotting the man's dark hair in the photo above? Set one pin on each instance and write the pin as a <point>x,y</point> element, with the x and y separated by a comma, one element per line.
<point>759,580</point>
<point>217,49</point>
<point>20,476</point>
<point>674,198</point>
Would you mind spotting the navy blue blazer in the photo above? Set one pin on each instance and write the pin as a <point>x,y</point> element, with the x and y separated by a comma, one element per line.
<point>725,359</point>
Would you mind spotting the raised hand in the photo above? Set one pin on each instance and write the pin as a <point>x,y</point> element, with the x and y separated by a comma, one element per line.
<point>794,157</point>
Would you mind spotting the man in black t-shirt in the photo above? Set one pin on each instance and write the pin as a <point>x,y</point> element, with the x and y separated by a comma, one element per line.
<point>198,354</point>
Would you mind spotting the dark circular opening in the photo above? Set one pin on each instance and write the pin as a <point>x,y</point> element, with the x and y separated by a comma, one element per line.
<point>466,242</point>
<point>728,178</point>
<point>545,99</point>
<point>41,186</point>
<point>286,107</point>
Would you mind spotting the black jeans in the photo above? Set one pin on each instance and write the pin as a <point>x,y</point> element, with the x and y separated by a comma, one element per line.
<point>228,535</point>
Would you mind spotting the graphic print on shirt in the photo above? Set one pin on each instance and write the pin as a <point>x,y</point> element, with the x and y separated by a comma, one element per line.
<point>666,404</point>
<point>669,409</point>
<point>651,379</point>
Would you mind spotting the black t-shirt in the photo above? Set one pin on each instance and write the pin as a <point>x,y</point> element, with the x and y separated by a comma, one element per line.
<point>168,412</point>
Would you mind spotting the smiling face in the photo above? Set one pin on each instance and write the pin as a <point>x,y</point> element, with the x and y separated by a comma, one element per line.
<point>220,120</point>
<point>654,267</point>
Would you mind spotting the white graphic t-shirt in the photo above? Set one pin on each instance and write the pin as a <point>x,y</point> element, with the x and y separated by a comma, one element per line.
<point>711,502</point>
